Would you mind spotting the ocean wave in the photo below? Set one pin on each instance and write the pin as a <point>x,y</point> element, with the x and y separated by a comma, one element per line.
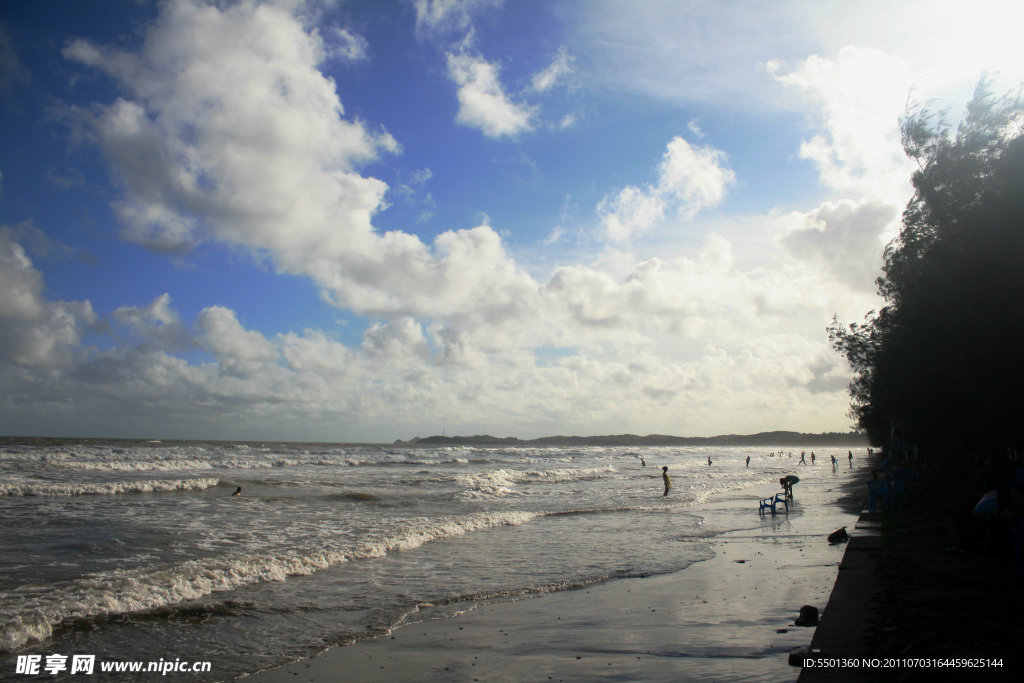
<point>106,488</point>
<point>141,462</point>
<point>31,613</point>
<point>502,482</point>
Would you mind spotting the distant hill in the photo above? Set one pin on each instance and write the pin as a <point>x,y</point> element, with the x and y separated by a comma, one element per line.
<point>776,439</point>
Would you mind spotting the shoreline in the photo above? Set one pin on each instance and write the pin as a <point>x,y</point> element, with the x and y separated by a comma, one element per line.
<point>728,616</point>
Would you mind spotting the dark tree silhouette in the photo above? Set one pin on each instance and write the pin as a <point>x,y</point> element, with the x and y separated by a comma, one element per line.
<point>945,354</point>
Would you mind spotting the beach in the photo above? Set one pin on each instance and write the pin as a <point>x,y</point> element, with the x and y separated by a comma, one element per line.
<point>450,563</point>
<point>562,564</point>
<point>729,617</point>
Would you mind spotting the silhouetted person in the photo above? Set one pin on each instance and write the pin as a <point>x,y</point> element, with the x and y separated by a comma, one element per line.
<point>709,461</point>
<point>748,461</point>
<point>237,492</point>
<point>787,483</point>
<point>667,479</point>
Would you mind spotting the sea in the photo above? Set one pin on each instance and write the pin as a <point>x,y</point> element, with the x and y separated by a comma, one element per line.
<point>137,551</point>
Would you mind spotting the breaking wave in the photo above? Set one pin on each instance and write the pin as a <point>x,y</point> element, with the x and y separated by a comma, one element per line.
<point>32,612</point>
<point>106,488</point>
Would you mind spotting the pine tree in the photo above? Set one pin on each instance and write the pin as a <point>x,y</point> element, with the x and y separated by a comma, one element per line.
<point>945,354</point>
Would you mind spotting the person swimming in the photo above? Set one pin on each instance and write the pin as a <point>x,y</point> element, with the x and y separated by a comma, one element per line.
<point>666,478</point>
<point>237,492</point>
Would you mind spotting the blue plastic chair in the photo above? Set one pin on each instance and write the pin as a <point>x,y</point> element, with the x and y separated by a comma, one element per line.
<point>771,501</point>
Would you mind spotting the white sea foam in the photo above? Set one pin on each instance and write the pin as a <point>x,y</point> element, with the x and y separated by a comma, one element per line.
<point>105,488</point>
<point>32,613</point>
<point>502,482</point>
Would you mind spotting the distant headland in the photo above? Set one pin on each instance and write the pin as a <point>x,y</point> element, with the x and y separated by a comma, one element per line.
<point>777,439</point>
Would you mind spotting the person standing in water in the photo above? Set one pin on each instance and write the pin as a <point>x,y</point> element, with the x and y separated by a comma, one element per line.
<point>666,478</point>
<point>709,461</point>
<point>748,461</point>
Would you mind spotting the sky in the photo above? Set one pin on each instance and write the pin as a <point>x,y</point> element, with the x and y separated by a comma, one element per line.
<point>371,220</point>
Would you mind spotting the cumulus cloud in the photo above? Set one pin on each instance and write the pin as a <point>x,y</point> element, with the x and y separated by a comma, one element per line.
<point>647,343</point>
<point>844,239</point>
<point>272,165</point>
<point>485,103</point>
<point>156,324</point>
<point>240,352</point>
<point>35,332</point>
<point>482,102</point>
<point>860,95</point>
<point>689,179</point>
<point>233,135</point>
<point>697,176</point>
<point>631,212</point>
<point>857,99</point>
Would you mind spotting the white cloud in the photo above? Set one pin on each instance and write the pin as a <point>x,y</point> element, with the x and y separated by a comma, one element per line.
<point>482,102</point>
<point>843,239</point>
<point>689,180</point>
<point>240,352</point>
<point>856,101</point>
<point>860,95</point>
<point>349,46</point>
<point>233,133</point>
<point>697,176</point>
<point>271,165</point>
<point>157,324</point>
<point>35,332</point>
<point>687,51</point>
<point>549,77</point>
<point>448,16</point>
<point>660,339</point>
<point>631,212</point>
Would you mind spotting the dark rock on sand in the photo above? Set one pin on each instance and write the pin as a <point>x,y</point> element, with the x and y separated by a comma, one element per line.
<point>839,536</point>
<point>808,616</point>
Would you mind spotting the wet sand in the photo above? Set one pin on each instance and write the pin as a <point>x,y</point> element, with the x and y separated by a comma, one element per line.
<point>727,618</point>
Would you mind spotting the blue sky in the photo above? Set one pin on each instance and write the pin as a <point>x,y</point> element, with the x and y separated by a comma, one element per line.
<point>370,220</point>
